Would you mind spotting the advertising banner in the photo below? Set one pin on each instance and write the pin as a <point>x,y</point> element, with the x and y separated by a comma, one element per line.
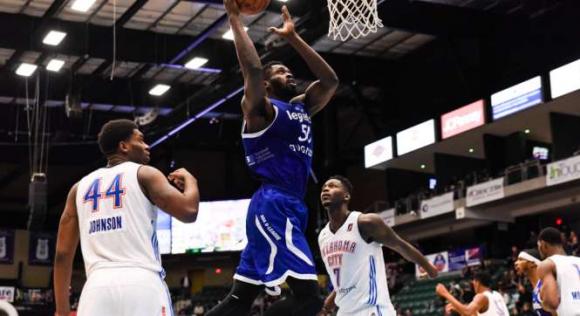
<point>378,152</point>
<point>516,98</point>
<point>462,119</point>
<point>485,192</point>
<point>416,137</point>
<point>7,293</point>
<point>563,171</point>
<point>440,260</point>
<point>438,205</point>
<point>565,79</point>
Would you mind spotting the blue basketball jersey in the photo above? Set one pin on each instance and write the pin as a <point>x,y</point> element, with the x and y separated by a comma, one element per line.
<point>537,302</point>
<point>281,154</point>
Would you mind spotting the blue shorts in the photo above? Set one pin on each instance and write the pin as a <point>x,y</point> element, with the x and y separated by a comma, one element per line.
<point>277,247</point>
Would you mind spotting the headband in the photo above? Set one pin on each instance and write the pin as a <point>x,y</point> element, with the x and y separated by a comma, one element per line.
<point>526,256</point>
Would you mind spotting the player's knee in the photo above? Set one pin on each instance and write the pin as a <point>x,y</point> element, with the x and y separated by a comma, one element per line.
<point>307,294</point>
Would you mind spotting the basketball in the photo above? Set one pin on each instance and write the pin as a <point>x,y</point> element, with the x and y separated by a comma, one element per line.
<point>250,7</point>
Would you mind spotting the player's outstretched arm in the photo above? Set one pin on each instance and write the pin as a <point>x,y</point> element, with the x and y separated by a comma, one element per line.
<point>478,303</point>
<point>319,93</point>
<point>66,245</point>
<point>549,293</point>
<point>256,107</point>
<point>181,205</point>
<point>373,228</point>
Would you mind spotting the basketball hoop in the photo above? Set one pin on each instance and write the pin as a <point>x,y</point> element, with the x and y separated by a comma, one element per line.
<point>352,18</point>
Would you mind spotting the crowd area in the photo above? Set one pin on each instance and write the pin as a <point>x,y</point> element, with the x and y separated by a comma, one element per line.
<point>515,289</point>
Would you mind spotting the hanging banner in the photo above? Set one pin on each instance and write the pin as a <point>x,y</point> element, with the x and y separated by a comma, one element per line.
<point>457,260</point>
<point>438,205</point>
<point>40,249</point>
<point>7,293</point>
<point>563,171</point>
<point>6,246</point>
<point>378,152</point>
<point>463,119</point>
<point>473,256</point>
<point>439,260</point>
<point>485,192</point>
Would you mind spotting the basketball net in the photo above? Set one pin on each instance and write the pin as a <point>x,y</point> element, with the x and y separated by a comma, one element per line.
<point>352,18</point>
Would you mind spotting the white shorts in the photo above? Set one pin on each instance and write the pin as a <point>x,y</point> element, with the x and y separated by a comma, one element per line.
<point>125,292</point>
<point>369,311</point>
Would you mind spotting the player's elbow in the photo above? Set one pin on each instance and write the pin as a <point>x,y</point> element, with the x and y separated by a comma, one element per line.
<point>330,82</point>
<point>189,215</point>
<point>333,81</point>
<point>63,257</point>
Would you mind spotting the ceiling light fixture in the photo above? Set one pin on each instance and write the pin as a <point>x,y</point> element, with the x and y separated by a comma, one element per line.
<point>54,38</point>
<point>26,70</point>
<point>159,89</point>
<point>82,5</point>
<point>196,63</point>
<point>55,65</point>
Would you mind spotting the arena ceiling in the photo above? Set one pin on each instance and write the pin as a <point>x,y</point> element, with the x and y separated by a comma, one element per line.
<point>432,56</point>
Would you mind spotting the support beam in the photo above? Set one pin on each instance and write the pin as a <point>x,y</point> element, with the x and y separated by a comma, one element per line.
<point>99,89</point>
<point>133,9</point>
<point>96,42</point>
<point>40,27</point>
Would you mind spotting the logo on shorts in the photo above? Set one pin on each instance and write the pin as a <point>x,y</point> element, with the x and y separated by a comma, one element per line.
<point>163,313</point>
<point>349,227</point>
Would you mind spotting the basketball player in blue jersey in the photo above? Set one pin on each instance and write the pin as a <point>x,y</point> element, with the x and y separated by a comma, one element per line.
<point>112,212</point>
<point>277,139</point>
<point>526,265</point>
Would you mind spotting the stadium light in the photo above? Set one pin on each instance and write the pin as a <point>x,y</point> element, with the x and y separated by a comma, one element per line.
<point>53,38</point>
<point>55,65</point>
<point>82,5</point>
<point>196,63</point>
<point>159,89</point>
<point>26,69</point>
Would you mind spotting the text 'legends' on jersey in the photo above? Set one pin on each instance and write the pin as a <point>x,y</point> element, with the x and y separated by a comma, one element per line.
<point>281,154</point>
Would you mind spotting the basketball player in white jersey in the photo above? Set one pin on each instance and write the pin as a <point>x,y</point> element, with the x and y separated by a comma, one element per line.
<point>559,274</point>
<point>112,212</point>
<point>486,302</point>
<point>351,246</point>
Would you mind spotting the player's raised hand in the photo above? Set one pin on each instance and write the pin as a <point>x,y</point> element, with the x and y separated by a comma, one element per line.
<point>232,7</point>
<point>288,28</point>
<point>179,176</point>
